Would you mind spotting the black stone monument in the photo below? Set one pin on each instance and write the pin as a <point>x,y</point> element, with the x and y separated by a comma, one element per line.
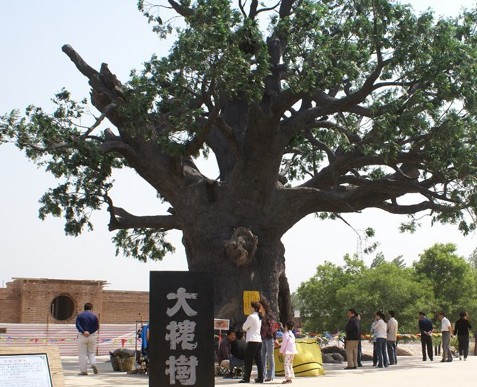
<point>181,323</point>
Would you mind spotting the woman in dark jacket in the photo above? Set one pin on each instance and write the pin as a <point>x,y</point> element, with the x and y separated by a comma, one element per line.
<point>269,340</point>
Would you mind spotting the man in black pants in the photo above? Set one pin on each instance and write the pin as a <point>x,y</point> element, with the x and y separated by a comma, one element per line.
<point>425,326</point>
<point>461,329</point>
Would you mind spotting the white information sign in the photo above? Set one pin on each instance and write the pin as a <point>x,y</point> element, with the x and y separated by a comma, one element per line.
<point>22,370</point>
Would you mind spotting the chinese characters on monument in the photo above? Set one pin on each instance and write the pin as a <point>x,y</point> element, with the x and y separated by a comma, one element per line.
<point>181,324</point>
<point>181,333</point>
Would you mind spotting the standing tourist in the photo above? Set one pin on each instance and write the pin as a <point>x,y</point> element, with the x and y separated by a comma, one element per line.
<point>269,339</point>
<point>87,325</point>
<point>288,350</point>
<point>360,349</point>
<point>352,339</point>
<point>372,333</point>
<point>461,329</point>
<point>253,351</point>
<point>446,329</point>
<point>380,329</point>
<point>392,337</point>
<point>425,326</point>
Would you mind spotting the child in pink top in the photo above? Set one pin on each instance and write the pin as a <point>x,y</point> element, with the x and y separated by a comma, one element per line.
<point>288,350</point>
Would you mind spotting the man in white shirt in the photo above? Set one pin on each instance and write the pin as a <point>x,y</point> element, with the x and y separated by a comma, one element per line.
<point>391,339</point>
<point>446,329</point>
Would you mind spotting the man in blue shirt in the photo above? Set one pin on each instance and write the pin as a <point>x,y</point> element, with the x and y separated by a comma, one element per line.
<point>87,324</point>
<point>425,326</point>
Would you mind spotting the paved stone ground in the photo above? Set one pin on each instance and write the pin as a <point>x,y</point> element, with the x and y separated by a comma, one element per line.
<point>410,371</point>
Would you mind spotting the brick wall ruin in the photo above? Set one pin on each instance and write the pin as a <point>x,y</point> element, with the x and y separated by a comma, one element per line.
<point>54,301</point>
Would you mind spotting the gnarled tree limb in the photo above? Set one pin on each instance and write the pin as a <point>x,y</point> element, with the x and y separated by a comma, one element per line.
<point>120,219</point>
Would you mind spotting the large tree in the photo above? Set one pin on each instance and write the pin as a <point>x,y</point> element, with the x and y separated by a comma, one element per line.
<point>327,107</point>
<point>452,277</point>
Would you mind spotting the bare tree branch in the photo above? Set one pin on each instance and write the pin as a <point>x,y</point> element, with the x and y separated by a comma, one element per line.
<point>106,88</point>
<point>180,9</point>
<point>268,8</point>
<point>100,119</point>
<point>368,86</point>
<point>242,8</point>
<point>120,219</point>
<point>253,9</point>
<point>326,105</point>
<point>82,66</point>
<point>410,209</point>
<point>319,145</point>
<point>232,141</point>
<point>286,8</point>
<point>194,146</point>
<point>391,84</point>
<point>352,138</point>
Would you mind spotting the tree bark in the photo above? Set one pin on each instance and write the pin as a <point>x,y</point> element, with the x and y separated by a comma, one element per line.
<point>263,272</point>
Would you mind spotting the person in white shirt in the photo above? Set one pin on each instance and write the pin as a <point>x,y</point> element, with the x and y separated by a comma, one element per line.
<point>253,351</point>
<point>446,329</point>
<point>288,350</point>
<point>392,337</point>
<point>380,331</point>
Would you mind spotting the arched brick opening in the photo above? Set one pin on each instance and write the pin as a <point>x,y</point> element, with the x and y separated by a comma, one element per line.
<point>62,307</point>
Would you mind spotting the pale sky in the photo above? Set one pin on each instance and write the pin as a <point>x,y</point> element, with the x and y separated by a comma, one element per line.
<point>33,68</point>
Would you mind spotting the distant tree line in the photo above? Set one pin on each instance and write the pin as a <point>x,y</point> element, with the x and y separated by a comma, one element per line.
<point>438,280</point>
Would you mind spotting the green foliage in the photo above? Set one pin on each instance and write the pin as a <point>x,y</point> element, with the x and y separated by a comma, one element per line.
<point>209,54</point>
<point>319,305</point>
<point>324,298</point>
<point>217,56</point>
<point>410,226</point>
<point>142,244</point>
<point>473,260</point>
<point>439,280</point>
<point>56,143</point>
<point>331,41</point>
<point>151,12</point>
<point>452,278</point>
<point>399,262</point>
<point>378,260</point>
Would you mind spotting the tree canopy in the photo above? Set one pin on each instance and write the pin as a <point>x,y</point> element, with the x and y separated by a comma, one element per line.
<point>328,107</point>
<point>452,277</point>
<point>438,280</point>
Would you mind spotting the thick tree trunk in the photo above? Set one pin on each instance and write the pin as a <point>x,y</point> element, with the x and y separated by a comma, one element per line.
<point>263,272</point>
